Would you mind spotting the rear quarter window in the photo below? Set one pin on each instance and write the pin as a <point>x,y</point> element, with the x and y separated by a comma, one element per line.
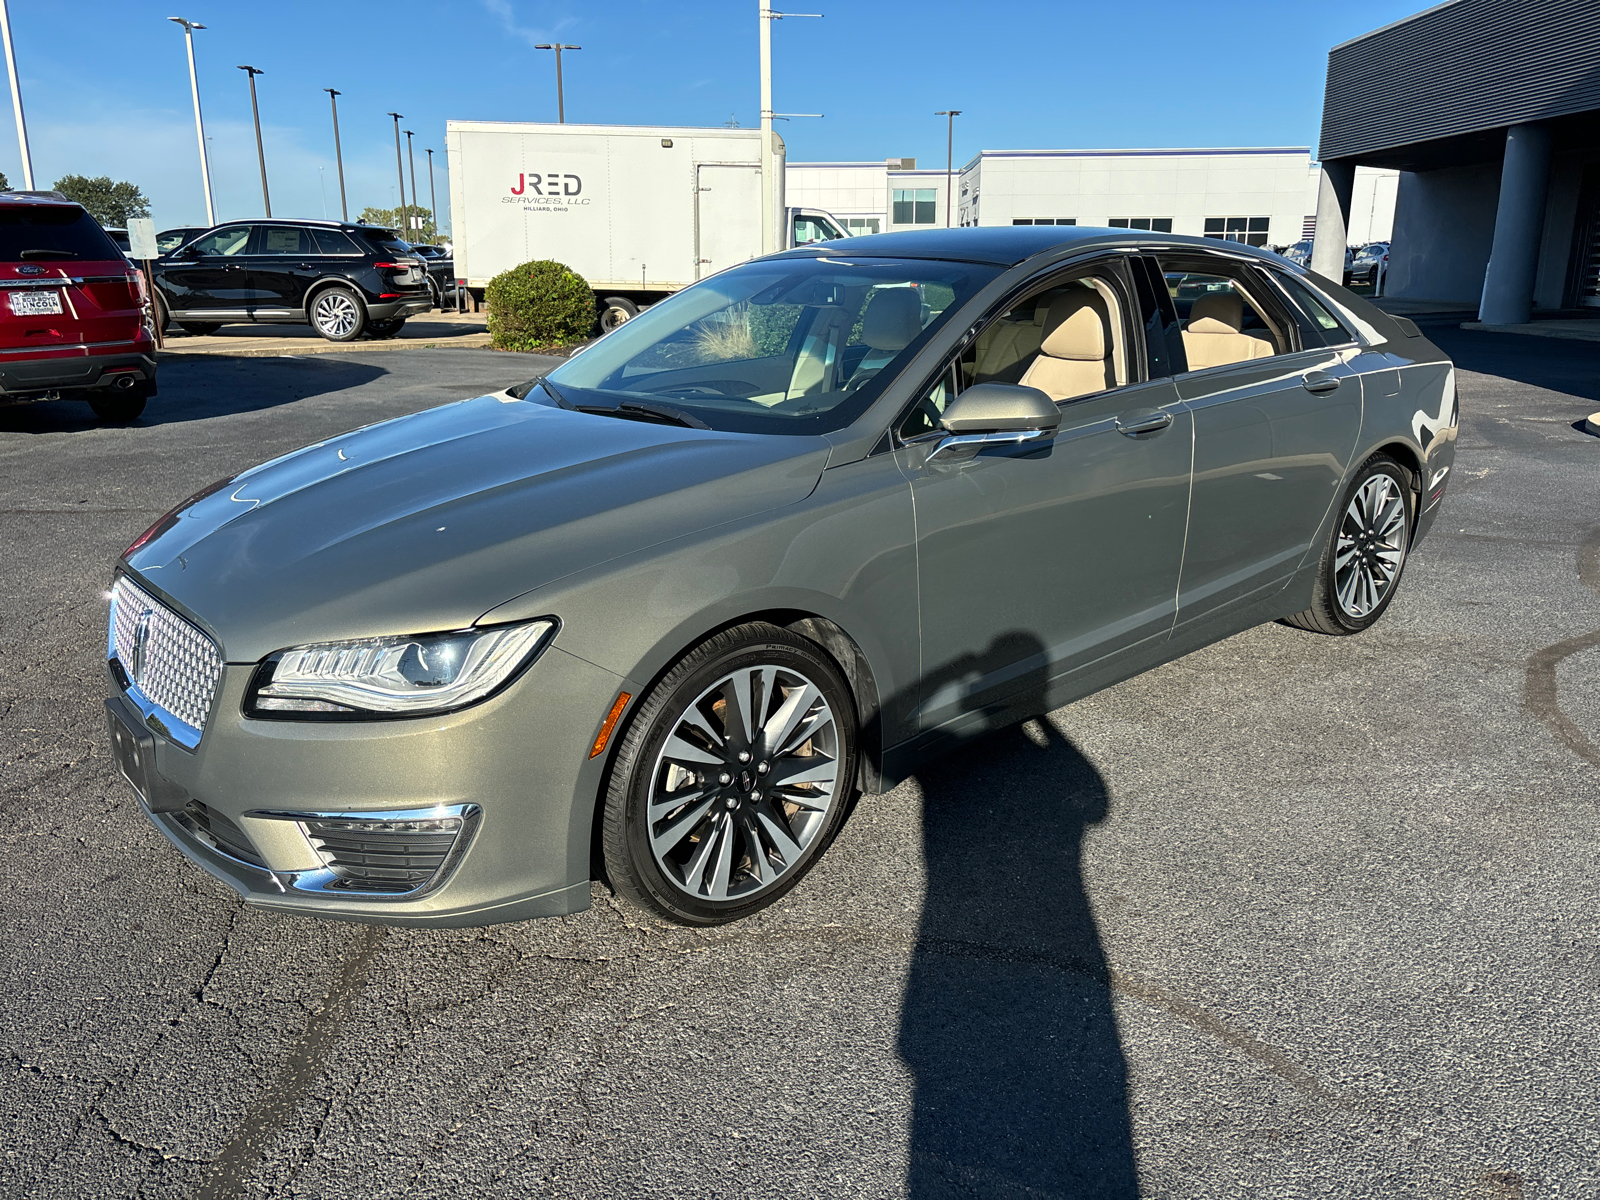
<point>41,232</point>
<point>387,241</point>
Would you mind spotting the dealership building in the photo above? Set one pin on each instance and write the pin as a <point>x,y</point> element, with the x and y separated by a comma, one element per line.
<point>1490,111</point>
<point>1265,196</point>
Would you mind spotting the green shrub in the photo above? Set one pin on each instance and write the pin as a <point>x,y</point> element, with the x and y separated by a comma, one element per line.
<point>539,304</point>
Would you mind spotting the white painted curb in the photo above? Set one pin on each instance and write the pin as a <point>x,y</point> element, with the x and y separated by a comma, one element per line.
<point>1592,423</point>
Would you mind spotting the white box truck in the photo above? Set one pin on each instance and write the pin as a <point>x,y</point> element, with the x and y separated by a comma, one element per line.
<point>638,211</point>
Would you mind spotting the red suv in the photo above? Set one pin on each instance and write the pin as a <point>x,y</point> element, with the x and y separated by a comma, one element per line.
<point>75,321</point>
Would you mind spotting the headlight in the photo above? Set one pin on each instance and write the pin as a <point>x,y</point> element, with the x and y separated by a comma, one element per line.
<point>393,676</point>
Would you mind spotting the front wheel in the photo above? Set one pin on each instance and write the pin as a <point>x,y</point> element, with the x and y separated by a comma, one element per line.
<point>1366,553</point>
<point>338,314</point>
<point>733,777</point>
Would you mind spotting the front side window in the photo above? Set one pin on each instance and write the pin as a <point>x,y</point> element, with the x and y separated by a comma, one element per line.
<point>228,242</point>
<point>914,206</point>
<point>1250,230</point>
<point>789,345</point>
<point>813,229</point>
<point>1152,224</point>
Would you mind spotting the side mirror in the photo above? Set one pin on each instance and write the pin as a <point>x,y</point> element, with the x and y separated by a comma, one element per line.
<point>995,414</point>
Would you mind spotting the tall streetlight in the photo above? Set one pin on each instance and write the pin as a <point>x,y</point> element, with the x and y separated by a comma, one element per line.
<point>261,154</point>
<point>16,98</point>
<point>774,220</point>
<point>338,155</point>
<point>561,103</point>
<point>412,156</point>
<point>199,126</point>
<point>949,158</point>
<point>399,170</point>
<point>433,197</point>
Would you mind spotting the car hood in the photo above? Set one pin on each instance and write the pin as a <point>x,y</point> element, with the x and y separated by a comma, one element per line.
<point>429,521</point>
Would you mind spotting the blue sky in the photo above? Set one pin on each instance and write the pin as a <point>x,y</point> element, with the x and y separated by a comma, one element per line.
<point>106,88</point>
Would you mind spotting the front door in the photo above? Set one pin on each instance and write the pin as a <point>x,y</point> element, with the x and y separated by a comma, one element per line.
<point>1034,564</point>
<point>727,216</point>
<point>212,278</point>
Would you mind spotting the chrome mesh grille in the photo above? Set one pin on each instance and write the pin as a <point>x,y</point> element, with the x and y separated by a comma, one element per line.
<point>177,666</point>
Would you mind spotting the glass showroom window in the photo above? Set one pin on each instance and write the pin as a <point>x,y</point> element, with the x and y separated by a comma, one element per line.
<point>914,206</point>
<point>1153,224</point>
<point>1250,230</point>
<point>860,225</point>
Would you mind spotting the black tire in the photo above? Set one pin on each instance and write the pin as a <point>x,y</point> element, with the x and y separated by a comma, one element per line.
<point>338,314</point>
<point>744,803</point>
<point>162,317</point>
<point>615,311</point>
<point>200,328</point>
<point>378,330</point>
<point>118,407</point>
<point>1340,604</point>
<point>434,293</point>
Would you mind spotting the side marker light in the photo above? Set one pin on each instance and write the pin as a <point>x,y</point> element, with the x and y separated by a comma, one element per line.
<point>599,747</point>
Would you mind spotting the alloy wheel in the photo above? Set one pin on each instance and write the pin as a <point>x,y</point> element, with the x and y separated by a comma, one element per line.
<point>336,314</point>
<point>1371,547</point>
<point>744,783</point>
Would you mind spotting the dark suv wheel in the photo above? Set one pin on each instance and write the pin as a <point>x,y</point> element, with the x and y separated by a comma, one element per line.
<point>338,314</point>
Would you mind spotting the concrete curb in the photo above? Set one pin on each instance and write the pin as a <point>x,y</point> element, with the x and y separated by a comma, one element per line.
<point>1572,331</point>
<point>302,346</point>
<point>1591,424</point>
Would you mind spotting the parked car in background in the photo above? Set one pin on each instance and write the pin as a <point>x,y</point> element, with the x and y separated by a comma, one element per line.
<point>119,238</point>
<point>1369,265</point>
<point>169,240</point>
<point>441,267</point>
<point>800,526</point>
<point>74,321</point>
<point>1299,253</point>
<point>342,279</point>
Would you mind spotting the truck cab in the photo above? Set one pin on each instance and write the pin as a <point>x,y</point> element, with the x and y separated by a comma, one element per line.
<point>808,225</point>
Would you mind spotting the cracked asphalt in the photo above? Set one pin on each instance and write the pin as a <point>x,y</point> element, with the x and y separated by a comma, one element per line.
<point>1293,916</point>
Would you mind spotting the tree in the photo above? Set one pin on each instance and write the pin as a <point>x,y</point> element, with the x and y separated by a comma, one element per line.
<point>112,204</point>
<point>5,184</point>
<point>400,219</point>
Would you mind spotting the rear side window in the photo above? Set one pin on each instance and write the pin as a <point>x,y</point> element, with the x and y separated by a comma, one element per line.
<point>279,239</point>
<point>1320,324</point>
<point>331,241</point>
<point>40,232</point>
<point>388,241</point>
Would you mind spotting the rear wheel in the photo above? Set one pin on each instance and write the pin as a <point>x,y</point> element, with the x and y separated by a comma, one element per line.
<point>733,777</point>
<point>338,314</point>
<point>200,328</point>
<point>385,329</point>
<point>117,407</point>
<point>616,310</point>
<point>1365,554</point>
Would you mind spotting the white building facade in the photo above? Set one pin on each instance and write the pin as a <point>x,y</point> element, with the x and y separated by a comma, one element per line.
<point>1255,195</point>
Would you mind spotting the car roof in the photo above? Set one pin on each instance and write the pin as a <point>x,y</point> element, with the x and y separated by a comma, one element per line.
<point>55,199</point>
<point>320,224</point>
<point>1008,245</point>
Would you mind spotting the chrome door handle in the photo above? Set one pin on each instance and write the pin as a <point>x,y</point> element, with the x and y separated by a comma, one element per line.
<point>1133,426</point>
<point>1319,382</point>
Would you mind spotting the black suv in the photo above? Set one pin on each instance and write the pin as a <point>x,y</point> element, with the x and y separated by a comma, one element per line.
<point>341,279</point>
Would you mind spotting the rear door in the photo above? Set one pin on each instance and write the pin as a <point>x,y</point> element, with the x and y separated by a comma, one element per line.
<point>283,264</point>
<point>727,216</point>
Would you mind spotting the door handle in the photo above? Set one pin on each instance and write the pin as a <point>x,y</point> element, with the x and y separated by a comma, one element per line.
<point>1135,424</point>
<point>1319,382</point>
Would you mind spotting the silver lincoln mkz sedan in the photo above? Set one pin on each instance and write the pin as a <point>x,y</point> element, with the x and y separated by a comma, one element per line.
<point>660,615</point>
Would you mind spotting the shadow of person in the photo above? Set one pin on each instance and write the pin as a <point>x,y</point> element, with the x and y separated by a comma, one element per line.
<point>1007,1024</point>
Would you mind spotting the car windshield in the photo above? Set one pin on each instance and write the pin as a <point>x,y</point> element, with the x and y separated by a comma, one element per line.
<point>52,231</point>
<point>783,345</point>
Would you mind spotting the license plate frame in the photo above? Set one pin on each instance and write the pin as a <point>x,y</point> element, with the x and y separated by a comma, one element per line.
<point>34,302</point>
<point>131,749</point>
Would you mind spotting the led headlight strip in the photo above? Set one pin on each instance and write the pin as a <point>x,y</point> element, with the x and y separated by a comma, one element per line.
<point>394,676</point>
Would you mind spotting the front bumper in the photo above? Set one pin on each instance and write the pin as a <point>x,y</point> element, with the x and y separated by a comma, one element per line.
<point>515,770</point>
<point>24,381</point>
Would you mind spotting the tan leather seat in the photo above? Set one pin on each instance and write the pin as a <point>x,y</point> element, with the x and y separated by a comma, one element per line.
<point>893,321</point>
<point>1005,348</point>
<point>1213,338</point>
<point>1075,355</point>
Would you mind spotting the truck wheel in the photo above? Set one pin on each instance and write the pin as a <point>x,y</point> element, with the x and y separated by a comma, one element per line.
<point>614,311</point>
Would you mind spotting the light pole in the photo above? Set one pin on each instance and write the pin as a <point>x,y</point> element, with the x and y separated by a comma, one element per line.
<point>433,197</point>
<point>561,103</point>
<point>949,158</point>
<point>774,217</point>
<point>338,155</point>
<point>411,155</point>
<point>399,170</point>
<point>261,154</point>
<point>199,126</point>
<point>16,98</point>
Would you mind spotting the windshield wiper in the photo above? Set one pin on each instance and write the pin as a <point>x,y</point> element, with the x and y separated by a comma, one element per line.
<point>633,410</point>
<point>47,254</point>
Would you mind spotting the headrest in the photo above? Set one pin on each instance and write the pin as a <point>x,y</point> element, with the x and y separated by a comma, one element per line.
<point>1217,312</point>
<point>1076,328</point>
<point>893,319</point>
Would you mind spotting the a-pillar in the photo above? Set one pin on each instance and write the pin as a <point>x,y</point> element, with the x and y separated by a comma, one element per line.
<point>1518,227</point>
<point>1337,182</point>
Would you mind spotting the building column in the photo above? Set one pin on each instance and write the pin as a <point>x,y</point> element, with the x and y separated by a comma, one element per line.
<point>1333,219</point>
<point>1518,228</point>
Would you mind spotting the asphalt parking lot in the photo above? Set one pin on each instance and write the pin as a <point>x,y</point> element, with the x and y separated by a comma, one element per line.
<point>1294,916</point>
